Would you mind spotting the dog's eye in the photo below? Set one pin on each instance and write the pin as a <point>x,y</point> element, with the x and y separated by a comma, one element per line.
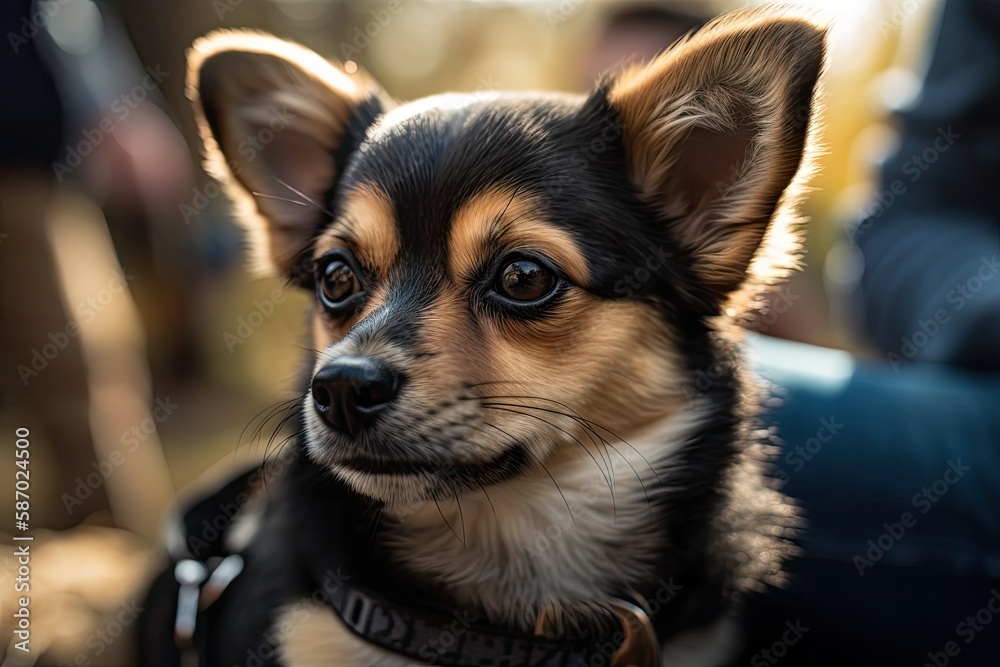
<point>525,280</point>
<point>337,285</point>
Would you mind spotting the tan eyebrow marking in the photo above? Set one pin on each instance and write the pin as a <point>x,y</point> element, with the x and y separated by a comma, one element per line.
<point>370,224</point>
<point>502,215</point>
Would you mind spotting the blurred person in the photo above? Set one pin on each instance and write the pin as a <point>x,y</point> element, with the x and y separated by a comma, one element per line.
<point>76,360</point>
<point>636,33</point>
<point>928,293</point>
<point>57,400</point>
<point>76,371</point>
<point>897,464</point>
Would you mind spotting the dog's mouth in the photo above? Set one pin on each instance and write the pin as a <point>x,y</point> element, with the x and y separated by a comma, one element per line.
<point>504,466</point>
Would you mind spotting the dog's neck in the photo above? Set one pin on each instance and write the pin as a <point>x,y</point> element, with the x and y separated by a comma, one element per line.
<point>562,541</point>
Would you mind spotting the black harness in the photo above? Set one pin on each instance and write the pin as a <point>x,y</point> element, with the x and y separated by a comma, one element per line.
<point>203,569</point>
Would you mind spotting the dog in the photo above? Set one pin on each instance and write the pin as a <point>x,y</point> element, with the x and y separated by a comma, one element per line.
<point>526,433</point>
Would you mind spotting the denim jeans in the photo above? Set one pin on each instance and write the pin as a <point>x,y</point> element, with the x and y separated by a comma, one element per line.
<point>898,474</point>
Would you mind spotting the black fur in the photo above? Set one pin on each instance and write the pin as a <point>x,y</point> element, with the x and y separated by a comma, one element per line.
<point>432,165</point>
<point>569,153</point>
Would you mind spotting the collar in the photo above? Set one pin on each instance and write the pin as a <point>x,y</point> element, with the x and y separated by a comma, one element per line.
<point>457,640</point>
<point>451,638</point>
<point>335,555</point>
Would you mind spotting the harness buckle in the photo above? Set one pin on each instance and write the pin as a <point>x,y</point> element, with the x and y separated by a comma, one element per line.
<point>197,591</point>
<point>640,647</point>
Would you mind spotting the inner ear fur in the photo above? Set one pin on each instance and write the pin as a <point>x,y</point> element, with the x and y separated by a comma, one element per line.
<point>716,130</point>
<point>272,116</point>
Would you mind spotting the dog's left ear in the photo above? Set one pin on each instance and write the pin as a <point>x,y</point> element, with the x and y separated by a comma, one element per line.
<point>714,131</point>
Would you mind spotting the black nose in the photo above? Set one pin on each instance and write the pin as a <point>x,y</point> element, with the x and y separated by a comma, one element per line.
<point>350,391</point>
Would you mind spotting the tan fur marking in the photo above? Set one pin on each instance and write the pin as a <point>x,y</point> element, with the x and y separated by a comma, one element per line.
<point>482,226</point>
<point>311,636</point>
<point>367,227</point>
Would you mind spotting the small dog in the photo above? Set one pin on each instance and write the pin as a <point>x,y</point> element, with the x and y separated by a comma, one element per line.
<point>507,451</point>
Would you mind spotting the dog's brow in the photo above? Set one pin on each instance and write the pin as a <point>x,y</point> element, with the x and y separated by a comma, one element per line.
<point>367,220</point>
<point>506,217</point>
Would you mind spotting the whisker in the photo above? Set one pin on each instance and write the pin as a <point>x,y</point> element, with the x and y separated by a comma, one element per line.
<point>284,443</point>
<point>624,458</point>
<point>509,202</point>
<point>513,439</point>
<point>272,412</point>
<point>628,444</point>
<point>438,506</point>
<point>376,518</point>
<point>290,201</point>
<point>305,196</point>
<point>575,417</point>
<point>488,499</point>
<point>277,430</point>
<point>586,423</point>
<point>461,514</point>
<point>503,406</point>
<point>308,349</point>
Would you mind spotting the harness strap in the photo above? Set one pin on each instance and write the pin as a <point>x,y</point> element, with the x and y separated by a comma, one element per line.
<point>205,569</point>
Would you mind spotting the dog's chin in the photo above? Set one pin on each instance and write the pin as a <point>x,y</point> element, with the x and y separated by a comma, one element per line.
<point>402,483</point>
<point>397,491</point>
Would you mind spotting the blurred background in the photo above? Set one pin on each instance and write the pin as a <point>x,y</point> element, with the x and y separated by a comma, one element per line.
<point>136,347</point>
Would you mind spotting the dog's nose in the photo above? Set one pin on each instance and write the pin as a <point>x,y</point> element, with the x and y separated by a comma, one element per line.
<point>348,392</point>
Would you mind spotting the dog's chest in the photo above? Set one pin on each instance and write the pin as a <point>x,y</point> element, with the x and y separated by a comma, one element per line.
<point>584,531</point>
<point>530,544</point>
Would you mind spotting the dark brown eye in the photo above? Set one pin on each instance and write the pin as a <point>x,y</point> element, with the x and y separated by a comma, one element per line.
<point>525,280</point>
<point>339,283</point>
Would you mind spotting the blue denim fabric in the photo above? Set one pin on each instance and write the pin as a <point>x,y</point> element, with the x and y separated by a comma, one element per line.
<point>898,473</point>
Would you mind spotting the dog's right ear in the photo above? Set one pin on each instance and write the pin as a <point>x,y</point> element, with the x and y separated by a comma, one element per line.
<point>275,119</point>
<point>717,134</point>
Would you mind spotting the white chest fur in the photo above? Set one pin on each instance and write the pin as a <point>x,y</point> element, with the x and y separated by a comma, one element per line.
<point>555,540</point>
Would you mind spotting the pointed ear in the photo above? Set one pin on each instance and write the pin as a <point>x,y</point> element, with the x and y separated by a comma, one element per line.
<point>715,130</point>
<point>275,119</point>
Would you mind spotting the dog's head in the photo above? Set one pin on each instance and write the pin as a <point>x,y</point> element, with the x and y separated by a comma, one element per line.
<point>497,274</point>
